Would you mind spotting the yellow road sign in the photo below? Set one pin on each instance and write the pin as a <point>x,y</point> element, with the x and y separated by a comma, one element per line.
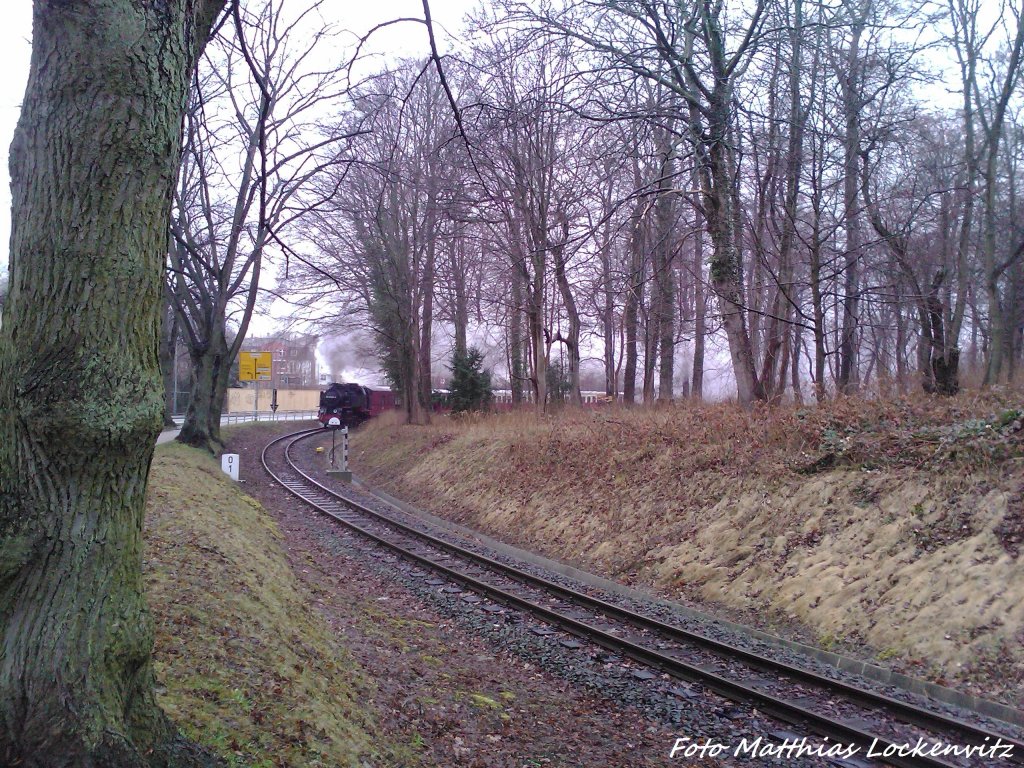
<point>254,366</point>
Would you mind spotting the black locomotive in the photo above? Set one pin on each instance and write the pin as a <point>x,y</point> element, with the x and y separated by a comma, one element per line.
<point>344,405</point>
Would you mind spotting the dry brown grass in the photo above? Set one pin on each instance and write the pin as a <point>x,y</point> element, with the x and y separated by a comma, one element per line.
<point>860,519</point>
<point>974,430</point>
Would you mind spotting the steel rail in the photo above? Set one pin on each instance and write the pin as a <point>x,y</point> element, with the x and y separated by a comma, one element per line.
<point>780,708</point>
<point>907,712</point>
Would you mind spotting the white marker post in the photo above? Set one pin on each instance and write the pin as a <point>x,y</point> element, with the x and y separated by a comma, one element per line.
<point>229,463</point>
<point>343,472</point>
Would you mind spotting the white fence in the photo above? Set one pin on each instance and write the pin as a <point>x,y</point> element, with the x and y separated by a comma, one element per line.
<point>238,418</point>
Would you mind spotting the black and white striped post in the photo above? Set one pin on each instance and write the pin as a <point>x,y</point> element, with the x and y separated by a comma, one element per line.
<point>342,472</point>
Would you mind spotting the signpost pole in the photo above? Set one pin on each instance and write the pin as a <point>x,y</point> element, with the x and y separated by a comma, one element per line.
<point>256,367</point>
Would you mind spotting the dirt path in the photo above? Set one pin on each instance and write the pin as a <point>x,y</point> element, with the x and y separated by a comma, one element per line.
<point>451,697</point>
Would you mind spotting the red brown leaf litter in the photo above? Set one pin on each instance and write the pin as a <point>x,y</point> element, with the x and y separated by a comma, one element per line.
<point>450,697</point>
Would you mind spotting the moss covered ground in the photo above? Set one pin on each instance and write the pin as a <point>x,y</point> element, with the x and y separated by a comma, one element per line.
<point>244,668</point>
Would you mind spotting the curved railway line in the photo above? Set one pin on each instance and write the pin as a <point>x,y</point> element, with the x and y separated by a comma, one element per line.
<point>814,704</point>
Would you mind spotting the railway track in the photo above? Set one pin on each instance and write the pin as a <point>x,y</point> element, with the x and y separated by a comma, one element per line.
<point>884,729</point>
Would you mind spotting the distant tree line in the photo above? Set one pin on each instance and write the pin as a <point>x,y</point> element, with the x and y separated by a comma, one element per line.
<point>769,184</point>
<point>645,178</point>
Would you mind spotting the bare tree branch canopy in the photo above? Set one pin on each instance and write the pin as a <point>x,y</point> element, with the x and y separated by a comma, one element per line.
<point>256,103</point>
<point>658,180</point>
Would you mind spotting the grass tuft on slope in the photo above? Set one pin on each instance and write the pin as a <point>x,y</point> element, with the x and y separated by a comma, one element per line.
<point>245,667</point>
<point>885,528</point>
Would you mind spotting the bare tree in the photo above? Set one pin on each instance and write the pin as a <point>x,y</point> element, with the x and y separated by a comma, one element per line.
<point>524,182</point>
<point>698,53</point>
<point>986,104</point>
<point>594,137</point>
<point>382,236</point>
<point>253,153</point>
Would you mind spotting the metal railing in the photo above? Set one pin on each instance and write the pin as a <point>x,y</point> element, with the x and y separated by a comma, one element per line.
<point>244,416</point>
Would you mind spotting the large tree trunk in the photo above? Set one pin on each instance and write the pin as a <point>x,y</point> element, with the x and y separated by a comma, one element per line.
<point>651,339</point>
<point>461,312</point>
<point>611,385</point>
<point>818,310</point>
<point>900,349</point>
<point>667,333</point>
<point>996,312</point>
<point>211,367</point>
<point>773,371</point>
<point>515,343</point>
<point>425,285</point>
<point>699,303</point>
<point>716,171</point>
<point>92,169</point>
<point>634,294</point>
<point>419,409</point>
<point>538,347</point>
<point>944,363</point>
<point>427,325</point>
<point>726,275</point>
<point>699,328</point>
<point>798,396</point>
<point>663,315</point>
<point>630,318</point>
<point>572,340</point>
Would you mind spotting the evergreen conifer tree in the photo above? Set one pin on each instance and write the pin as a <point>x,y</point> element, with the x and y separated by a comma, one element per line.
<point>471,385</point>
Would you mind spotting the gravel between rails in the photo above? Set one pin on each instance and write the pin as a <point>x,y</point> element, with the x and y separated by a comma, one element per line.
<point>427,658</point>
<point>315,464</point>
<point>653,608</point>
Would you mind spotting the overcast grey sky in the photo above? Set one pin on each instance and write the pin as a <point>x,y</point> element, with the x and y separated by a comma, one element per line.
<point>16,48</point>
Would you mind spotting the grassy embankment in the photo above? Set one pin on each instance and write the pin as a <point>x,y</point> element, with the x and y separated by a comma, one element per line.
<point>245,668</point>
<point>892,524</point>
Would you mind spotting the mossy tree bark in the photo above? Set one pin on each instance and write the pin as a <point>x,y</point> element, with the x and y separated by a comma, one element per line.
<point>92,168</point>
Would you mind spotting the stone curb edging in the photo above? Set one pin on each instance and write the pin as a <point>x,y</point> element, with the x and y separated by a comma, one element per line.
<point>844,663</point>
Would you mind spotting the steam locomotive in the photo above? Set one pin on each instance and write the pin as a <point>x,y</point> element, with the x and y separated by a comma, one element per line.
<point>349,405</point>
